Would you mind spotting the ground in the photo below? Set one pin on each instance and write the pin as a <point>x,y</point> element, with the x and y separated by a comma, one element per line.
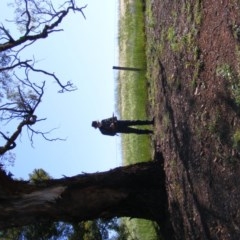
<point>194,69</point>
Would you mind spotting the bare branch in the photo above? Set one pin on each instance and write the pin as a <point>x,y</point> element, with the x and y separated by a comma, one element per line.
<point>24,105</point>
<point>5,31</point>
<point>50,24</point>
<point>29,65</point>
<point>68,87</point>
<point>10,143</point>
<point>43,134</point>
<point>20,96</point>
<point>18,64</point>
<point>24,108</point>
<point>29,18</point>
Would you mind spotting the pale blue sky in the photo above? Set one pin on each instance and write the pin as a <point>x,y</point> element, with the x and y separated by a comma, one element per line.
<point>83,53</point>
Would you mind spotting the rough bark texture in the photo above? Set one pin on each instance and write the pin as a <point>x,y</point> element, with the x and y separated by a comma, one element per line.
<point>136,191</point>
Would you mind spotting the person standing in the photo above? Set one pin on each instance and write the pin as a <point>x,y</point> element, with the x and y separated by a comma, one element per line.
<point>112,126</point>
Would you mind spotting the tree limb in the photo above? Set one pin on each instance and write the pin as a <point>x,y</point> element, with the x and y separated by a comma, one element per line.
<point>10,144</point>
<point>47,29</point>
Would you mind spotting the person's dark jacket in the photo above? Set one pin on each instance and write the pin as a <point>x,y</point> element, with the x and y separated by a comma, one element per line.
<point>107,128</point>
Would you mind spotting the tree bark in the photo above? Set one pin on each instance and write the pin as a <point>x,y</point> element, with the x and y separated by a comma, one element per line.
<point>136,191</point>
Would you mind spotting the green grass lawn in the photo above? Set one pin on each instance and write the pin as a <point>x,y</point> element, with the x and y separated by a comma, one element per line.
<point>133,99</point>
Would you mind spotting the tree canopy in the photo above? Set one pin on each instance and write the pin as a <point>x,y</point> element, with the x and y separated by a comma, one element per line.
<point>21,91</point>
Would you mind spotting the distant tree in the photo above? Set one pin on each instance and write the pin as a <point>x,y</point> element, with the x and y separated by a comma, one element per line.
<point>38,176</point>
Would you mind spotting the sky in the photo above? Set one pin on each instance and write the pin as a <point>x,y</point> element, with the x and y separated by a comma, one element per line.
<point>84,54</point>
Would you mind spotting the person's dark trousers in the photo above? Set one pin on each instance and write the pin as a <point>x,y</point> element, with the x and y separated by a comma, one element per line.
<point>122,126</point>
<point>124,123</point>
<point>134,130</point>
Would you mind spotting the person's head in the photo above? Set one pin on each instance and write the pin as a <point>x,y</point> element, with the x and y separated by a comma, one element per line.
<point>95,124</point>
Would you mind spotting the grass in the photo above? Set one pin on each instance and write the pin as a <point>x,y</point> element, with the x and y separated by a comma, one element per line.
<point>133,99</point>
<point>132,94</point>
<point>236,140</point>
<point>225,71</point>
<point>233,78</point>
<point>180,42</point>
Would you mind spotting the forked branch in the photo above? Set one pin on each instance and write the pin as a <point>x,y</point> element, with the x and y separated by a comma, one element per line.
<point>47,22</point>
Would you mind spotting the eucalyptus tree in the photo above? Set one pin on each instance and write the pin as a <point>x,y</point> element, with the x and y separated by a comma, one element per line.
<point>136,191</point>
<point>20,91</point>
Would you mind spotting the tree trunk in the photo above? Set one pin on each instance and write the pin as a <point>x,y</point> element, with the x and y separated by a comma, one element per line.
<point>127,68</point>
<point>136,191</point>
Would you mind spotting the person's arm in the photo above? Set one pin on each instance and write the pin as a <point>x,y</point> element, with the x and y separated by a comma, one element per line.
<point>114,118</point>
<point>111,119</point>
<point>109,132</point>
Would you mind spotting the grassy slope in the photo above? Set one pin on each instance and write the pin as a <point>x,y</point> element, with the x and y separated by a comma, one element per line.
<point>133,98</point>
